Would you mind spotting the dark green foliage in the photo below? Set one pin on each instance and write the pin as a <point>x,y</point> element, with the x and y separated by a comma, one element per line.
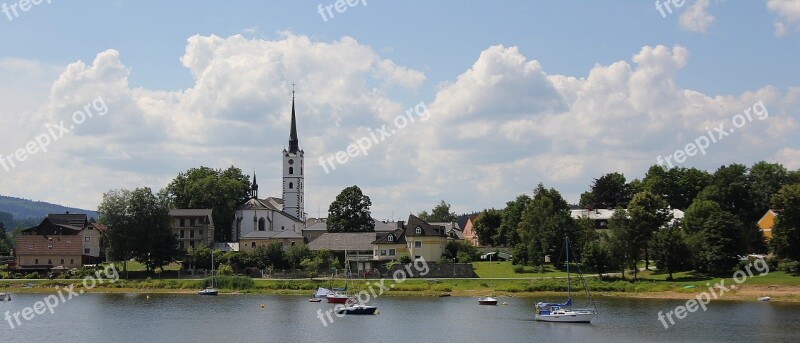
<point>714,236</point>
<point>440,214</point>
<point>349,212</point>
<point>786,234</point>
<point>217,189</point>
<point>457,248</point>
<point>487,225</point>
<point>545,222</point>
<point>508,233</point>
<point>609,191</point>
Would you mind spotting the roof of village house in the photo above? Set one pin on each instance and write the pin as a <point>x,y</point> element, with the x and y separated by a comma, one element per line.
<point>398,237</point>
<point>384,227</point>
<point>426,229</point>
<point>60,224</point>
<point>99,227</point>
<point>317,227</point>
<point>272,234</point>
<point>341,241</point>
<point>191,212</point>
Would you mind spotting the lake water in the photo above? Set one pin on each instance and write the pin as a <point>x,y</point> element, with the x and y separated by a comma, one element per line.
<point>240,318</point>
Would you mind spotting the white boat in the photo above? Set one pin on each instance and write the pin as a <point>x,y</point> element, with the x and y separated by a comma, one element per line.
<point>488,300</point>
<point>563,312</point>
<point>764,299</point>
<point>210,290</point>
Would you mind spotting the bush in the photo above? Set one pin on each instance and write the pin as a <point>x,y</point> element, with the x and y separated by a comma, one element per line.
<point>404,259</point>
<point>231,282</point>
<point>225,269</point>
<point>31,275</point>
<point>788,266</point>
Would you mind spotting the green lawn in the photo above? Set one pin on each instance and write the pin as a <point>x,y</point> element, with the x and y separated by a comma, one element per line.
<point>486,269</point>
<point>134,266</point>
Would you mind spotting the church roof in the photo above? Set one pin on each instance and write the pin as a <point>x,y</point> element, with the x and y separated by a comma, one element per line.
<point>272,234</point>
<point>293,141</point>
<point>257,204</point>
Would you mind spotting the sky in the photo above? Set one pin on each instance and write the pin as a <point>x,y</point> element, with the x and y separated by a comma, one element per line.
<point>473,103</point>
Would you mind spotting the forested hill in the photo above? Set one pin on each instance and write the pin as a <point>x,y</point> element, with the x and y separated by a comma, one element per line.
<point>28,211</point>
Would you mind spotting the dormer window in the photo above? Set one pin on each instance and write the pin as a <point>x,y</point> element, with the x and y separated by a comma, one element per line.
<point>418,230</point>
<point>390,238</point>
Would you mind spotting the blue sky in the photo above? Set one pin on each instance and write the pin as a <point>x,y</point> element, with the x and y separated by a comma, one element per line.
<point>175,101</point>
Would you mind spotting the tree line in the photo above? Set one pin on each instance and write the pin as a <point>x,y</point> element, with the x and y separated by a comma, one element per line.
<point>720,223</point>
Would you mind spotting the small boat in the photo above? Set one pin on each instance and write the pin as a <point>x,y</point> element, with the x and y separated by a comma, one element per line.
<point>314,300</point>
<point>487,301</point>
<point>563,312</point>
<point>338,297</point>
<point>210,290</point>
<point>322,292</point>
<point>358,309</point>
<point>764,299</point>
<point>445,294</point>
<point>5,296</point>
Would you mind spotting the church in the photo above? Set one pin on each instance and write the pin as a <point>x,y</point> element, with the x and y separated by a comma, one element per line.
<point>259,222</point>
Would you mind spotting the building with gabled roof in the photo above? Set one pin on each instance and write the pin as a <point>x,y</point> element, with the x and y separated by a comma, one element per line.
<point>59,242</point>
<point>193,227</point>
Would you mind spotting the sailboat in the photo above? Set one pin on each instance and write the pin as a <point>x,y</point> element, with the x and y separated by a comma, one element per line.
<point>210,290</point>
<point>563,312</point>
<point>340,296</point>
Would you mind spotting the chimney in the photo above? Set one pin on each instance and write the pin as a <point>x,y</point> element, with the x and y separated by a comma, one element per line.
<point>400,224</point>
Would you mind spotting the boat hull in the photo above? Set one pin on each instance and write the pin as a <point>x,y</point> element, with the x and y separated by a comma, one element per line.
<point>358,310</point>
<point>569,317</point>
<point>208,292</point>
<point>337,299</point>
<point>487,302</point>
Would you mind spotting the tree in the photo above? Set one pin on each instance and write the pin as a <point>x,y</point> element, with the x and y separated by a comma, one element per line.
<point>138,227</point>
<point>220,190</point>
<point>508,232</point>
<point>623,241</point>
<point>486,226</point>
<point>678,186</point>
<point>276,257</point>
<point>609,191</point>
<point>296,254</point>
<point>730,188</point>
<point>454,249</point>
<point>786,233</point>
<point>596,256</point>
<point>714,237</point>
<point>440,214</point>
<point>349,212</point>
<point>670,249</point>
<point>648,213</point>
<point>545,221</point>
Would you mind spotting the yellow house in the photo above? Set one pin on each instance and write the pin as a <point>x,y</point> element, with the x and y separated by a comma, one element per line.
<point>254,239</point>
<point>767,222</point>
<point>424,240</point>
<point>389,246</point>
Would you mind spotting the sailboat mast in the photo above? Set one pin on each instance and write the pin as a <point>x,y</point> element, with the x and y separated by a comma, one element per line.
<point>569,287</point>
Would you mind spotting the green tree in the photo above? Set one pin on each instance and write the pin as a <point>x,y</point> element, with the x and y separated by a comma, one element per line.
<point>786,233</point>
<point>648,213</point>
<point>454,248</point>
<point>508,232</point>
<point>678,186</point>
<point>220,190</point>
<point>597,256</point>
<point>486,226</point>
<point>349,212</point>
<point>276,257</point>
<point>609,191</point>
<point>138,227</point>
<point>714,237</point>
<point>624,245</point>
<point>440,214</point>
<point>296,254</point>
<point>544,223</point>
<point>670,249</point>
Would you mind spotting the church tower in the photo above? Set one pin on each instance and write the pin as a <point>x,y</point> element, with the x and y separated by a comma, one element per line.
<point>293,166</point>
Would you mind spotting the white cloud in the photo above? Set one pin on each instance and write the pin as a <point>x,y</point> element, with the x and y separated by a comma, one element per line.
<point>495,131</point>
<point>696,17</point>
<point>788,12</point>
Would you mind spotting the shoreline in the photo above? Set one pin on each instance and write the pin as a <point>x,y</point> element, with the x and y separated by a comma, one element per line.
<point>780,294</point>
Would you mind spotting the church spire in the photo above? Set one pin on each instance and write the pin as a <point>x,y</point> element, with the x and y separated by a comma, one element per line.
<point>293,143</point>
<point>254,187</point>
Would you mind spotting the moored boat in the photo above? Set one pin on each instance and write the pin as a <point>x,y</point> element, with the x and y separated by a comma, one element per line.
<point>487,301</point>
<point>358,309</point>
<point>563,312</point>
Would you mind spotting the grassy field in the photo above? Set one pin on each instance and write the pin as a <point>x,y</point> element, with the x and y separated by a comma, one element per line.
<point>485,269</point>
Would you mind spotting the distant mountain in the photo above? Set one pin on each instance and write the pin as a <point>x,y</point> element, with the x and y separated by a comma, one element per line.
<point>28,211</point>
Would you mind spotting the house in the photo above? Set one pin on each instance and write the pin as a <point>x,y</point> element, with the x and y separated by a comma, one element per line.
<point>59,242</point>
<point>193,228</point>
<point>767,222</point>
<point>424,240</point>
<point>469,231</point>
<point>353,247</point>
<point>600,217</point>
<point>254,239</point>
<point>453,230</point>
<point>314,231</point>
<point>388,246</point>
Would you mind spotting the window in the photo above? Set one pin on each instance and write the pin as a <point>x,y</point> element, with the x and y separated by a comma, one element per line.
<point>62,261</point>
<point>418,244</point>
<point>390,238</point>
<point>87,239</point>
<point>191,233</point>
<point>291,170</point>
<point>291,185</point>
<point>71,261</point>
<point>262,224</point>
<point>383,252</point>
<point>49,246</point>
<point>182,234</point>
<point>180,245</point>
<point>36,261</point>
<point>191,222</point>
<point>191,244</point>
<point>86,251</point>
<point>282,228</point>
<point>292,244</point>
<point>49,261</point>
<point>252,244</point>
<point>418,230</point>
<point>183,222</point>
<point>392,252</point>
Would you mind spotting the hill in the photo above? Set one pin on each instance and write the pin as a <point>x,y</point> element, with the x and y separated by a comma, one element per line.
<point>26,211</point>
